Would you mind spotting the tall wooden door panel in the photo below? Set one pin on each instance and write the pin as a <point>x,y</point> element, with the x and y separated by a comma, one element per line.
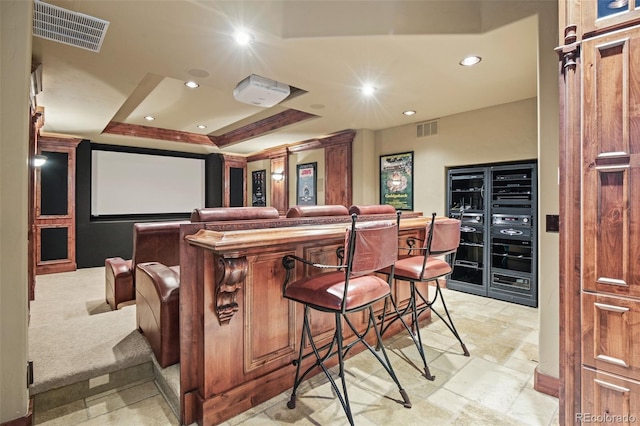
<point>612,163</point>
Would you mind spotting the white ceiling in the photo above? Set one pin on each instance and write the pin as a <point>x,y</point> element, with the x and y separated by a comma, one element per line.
<point>409,50</point>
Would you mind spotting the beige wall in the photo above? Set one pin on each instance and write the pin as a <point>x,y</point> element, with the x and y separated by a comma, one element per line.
<point>365,168</point>
<point>548,193</point>
<point>500,133</point>
<point>15,66</point>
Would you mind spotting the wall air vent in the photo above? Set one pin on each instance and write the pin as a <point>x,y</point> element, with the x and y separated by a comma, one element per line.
<point>67,27</point>
<point>428,128</point>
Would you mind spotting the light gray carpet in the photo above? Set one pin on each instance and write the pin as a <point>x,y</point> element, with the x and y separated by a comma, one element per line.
<point>73,336</point>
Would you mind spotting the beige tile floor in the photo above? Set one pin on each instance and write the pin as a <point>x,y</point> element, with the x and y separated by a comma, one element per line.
<point>494,386</point>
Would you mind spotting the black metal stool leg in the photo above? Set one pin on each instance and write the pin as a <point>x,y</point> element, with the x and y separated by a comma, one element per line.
<point>345,402</point>
<point>450,324</point>
<point>292,401</point>
<point>387,363</point>
<point>416,324</point>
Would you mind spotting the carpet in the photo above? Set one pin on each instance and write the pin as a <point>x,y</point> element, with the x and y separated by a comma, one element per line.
<point>74,336</point>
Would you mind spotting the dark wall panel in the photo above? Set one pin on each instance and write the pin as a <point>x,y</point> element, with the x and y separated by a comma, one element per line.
<point>53,244</point>
<point>236,187</point>
<point>54,176</point>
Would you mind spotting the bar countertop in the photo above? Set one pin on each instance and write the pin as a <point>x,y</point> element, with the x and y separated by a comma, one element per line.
<point>237,240</point>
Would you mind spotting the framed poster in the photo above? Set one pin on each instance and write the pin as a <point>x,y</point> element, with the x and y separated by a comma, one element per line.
<point>306,180</point>
<point>396,180</point>
<point>258,188</point>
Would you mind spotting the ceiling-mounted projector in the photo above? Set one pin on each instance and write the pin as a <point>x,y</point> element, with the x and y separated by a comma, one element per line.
<point>260,91</point>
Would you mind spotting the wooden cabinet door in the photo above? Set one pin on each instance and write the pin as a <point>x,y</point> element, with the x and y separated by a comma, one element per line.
<point>611,337</point>
<point>611,177</point>
<point>608,399</point>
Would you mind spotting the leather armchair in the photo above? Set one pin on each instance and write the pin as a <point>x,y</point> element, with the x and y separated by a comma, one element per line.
<point>158,308</point>
<point>153,241</point>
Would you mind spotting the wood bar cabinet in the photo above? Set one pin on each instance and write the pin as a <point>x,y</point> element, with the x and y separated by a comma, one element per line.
<point>238,335</point>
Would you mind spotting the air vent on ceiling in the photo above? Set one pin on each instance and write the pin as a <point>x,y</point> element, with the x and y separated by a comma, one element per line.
<point>428,128</point>
<point>64,26</point>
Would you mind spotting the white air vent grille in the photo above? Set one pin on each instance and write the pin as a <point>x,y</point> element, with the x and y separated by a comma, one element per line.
<point>428,128</point>
<point>64,26</point>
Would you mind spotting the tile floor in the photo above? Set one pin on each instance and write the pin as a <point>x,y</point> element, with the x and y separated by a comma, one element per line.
<point>494,386</point>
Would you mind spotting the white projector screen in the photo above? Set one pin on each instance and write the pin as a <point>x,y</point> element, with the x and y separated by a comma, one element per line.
<point>124,183</point>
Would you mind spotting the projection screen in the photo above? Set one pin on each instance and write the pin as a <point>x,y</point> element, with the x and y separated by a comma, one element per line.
<point>124,183</point>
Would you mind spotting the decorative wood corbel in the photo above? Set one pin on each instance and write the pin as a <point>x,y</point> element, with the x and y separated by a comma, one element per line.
<point>231,272</point>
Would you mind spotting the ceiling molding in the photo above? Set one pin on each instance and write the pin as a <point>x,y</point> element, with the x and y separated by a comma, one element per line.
<point>138,131</point>
<point>343,137</point>
<point>261,127</point>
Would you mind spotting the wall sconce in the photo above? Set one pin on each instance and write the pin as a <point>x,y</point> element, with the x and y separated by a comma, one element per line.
<point>39,160</point>
<point>277,176</point>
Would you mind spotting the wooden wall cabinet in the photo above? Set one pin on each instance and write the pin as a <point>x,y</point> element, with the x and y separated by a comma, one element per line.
<point>600,213</point>
<point>55,205</point>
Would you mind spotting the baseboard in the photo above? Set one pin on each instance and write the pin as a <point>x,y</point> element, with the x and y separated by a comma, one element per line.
<point>546,384</point>
<point>168,382</point>
<point>26,420</point>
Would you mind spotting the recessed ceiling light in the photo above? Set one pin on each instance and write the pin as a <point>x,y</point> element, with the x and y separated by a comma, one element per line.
<point>149,117</point>
<point>243,38</point>
<point>191,84</point>
<point>368,90</point>
<point>470,60</point>
<point>201,126</point>
<point>409,112</point>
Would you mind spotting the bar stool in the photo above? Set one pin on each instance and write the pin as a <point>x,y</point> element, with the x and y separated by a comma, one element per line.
<point>435,261</point>
<point>346,288</point>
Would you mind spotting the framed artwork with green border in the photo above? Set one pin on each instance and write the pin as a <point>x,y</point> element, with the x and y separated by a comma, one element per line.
<point>396,180</point>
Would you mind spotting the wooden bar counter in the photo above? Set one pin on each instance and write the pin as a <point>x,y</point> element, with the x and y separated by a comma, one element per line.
<point>239,336</point>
